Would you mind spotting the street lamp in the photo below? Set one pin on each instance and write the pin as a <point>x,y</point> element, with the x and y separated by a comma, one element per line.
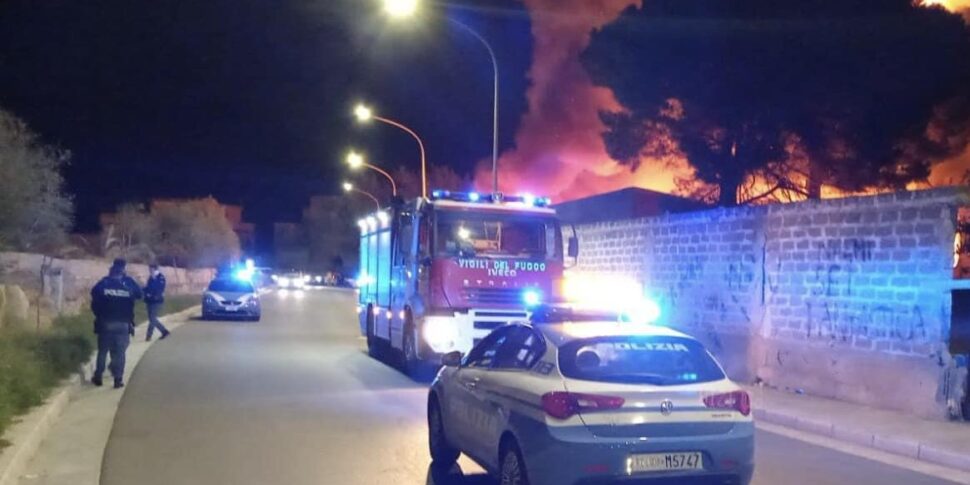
<point>400,9</point>
<point>356,160</point>
<point>365,114</point>
<point>349,187</point>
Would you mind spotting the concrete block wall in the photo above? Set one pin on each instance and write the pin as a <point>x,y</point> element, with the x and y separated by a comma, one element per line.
<point>69,282</point>
<point>846,298</point>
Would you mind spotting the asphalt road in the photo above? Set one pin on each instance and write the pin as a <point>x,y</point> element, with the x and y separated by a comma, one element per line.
<point>295,400</point>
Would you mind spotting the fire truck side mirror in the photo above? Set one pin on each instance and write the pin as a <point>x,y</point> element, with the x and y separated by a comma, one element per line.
<point>451,359</point>
<point>573,248</point>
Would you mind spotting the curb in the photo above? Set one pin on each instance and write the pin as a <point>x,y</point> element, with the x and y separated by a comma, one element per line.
<point>890,444</point>
<point>33,428</point>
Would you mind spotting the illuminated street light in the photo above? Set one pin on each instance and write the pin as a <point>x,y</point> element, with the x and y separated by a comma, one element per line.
<point>349,187</point>
<point>365,114</point>
<point>401,8</point>
<point>356,160</point>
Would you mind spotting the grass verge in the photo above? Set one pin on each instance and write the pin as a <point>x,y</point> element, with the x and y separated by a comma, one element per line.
<point>34,363</point>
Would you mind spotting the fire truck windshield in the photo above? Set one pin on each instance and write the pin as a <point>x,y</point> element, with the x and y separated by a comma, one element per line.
<point>468,234</point>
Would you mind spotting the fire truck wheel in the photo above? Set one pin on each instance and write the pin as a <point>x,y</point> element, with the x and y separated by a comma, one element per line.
<point>409,353</point>
<point>373,345</point>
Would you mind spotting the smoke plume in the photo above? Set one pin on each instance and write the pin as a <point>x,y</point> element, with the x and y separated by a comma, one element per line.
<point>559,147</point>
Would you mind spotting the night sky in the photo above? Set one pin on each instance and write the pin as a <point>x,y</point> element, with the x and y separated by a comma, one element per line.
<point>250,100</point>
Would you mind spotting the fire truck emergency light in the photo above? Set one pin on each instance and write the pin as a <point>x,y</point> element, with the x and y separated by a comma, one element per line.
<point>526,199</point>
<point>531,297</point>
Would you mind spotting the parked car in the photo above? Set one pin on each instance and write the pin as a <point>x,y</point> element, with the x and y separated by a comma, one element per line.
<point>590,399</point>
<point>231,298</point>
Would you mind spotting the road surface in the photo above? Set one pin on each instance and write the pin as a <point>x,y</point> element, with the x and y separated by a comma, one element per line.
<point>295,400</point>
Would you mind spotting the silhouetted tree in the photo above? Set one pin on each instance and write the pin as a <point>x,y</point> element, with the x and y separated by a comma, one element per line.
<point>850,93</point>
<point>35,211</point>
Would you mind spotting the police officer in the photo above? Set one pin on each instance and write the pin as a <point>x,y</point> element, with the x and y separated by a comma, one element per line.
<point>113,303</point>
<point>154,300</point>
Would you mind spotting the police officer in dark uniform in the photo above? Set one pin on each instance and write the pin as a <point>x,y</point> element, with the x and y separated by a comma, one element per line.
<point>154,301</point>
<point>113,303</point>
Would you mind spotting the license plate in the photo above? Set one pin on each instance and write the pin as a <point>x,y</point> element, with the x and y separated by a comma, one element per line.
<point>657,462</point>
<point>232,309</point>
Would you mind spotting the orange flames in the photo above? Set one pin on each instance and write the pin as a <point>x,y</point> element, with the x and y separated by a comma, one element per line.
<point>951,5</point>
<point>559,147</point>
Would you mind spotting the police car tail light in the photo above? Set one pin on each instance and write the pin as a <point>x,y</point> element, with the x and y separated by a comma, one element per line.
<point>564,405</point>
<point>737,400</point>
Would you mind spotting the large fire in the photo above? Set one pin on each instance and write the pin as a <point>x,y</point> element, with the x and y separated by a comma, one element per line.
<point>559,147</point>
<point>951,5</point>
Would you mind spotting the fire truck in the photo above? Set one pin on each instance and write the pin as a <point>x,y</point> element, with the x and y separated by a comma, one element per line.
<point>438,274</point>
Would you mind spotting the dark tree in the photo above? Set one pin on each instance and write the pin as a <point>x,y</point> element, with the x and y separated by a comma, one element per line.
<point>850,93</point>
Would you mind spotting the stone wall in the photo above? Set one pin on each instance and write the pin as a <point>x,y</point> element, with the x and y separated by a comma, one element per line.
<point>846,298</point>
<point>66,284</point>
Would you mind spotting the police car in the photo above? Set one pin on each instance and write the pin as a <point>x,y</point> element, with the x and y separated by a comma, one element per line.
<point>231,298</point>
<point>585,398</point>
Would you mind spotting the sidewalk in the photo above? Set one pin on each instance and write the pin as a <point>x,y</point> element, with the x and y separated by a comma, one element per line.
<point>936,442</point>
<point>74,446</point>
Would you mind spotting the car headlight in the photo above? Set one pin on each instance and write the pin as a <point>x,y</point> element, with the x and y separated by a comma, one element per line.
<point>441,334</point>
<point>208,300</point>
<point>283,281</point>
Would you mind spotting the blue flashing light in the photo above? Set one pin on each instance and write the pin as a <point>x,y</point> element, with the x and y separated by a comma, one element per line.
<point>646,311</point>
<point>531,298</point>
<point>245,274</point>
<point>497,198</point>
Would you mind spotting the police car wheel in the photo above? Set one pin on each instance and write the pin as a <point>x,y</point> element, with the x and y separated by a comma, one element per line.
<point>512,471</point>
<point>442,453</point>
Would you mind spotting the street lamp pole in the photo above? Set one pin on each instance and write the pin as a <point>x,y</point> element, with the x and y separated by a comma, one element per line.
<point>384,173</point>
<point>357,160</point>
<point>424,161</point>
<point>350,188</point>
<point>401,9</point>
<point>491,53</point>
<point>365,114</point>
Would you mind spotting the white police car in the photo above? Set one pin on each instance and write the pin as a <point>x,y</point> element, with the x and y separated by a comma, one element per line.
<point>231,298</point>
<point>576,398</point>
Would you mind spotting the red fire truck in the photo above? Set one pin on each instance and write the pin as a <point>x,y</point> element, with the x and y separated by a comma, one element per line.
<point>437,275</point>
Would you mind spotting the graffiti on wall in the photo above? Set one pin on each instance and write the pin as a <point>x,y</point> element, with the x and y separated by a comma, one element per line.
<point>710,292</point>
<point>833,307</point>
<point>836,264</point>
<point>844,321</point>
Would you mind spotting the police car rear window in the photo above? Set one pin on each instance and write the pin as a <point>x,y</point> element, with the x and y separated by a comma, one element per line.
<point>660,361</point>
